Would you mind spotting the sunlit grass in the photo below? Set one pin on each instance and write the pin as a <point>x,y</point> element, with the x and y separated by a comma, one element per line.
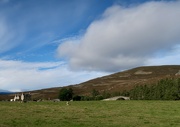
<point>91,114</point>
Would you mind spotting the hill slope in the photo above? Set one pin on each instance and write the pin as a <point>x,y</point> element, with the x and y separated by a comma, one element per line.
<point>126,80</point>
<point>117,82</point>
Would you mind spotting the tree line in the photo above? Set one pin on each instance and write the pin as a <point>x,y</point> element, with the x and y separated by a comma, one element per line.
<point>165,89</point>
<point>66,94</point>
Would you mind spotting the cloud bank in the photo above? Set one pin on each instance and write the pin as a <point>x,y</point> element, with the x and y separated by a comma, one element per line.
<point>125,37</point>
<point>6,35</point>
<point>19,75</point>
<point>29,25</point>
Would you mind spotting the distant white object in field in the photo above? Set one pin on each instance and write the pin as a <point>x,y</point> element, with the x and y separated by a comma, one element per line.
<point>11,99</point>
<point>56,100</point>
<point>22,97</point>
<point>67,103</point>
<point>15,97</point>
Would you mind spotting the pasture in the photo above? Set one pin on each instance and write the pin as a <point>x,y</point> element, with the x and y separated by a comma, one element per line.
<point>91,114</point>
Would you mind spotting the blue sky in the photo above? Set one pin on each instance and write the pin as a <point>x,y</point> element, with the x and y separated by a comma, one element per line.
<point>51,43</point>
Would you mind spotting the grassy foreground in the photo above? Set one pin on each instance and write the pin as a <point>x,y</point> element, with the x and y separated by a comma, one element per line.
<point>91,114</point>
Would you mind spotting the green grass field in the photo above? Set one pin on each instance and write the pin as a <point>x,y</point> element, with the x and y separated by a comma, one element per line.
<point>91,114</point>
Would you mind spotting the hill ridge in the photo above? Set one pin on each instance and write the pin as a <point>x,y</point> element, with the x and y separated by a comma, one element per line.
<point>116,82</point>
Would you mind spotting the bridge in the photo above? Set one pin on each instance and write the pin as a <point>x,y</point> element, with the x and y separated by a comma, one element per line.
<point>117,98</point>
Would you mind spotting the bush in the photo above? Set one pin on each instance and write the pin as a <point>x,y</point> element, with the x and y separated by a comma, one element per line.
<point>65,94</point>
<point>77,98</point>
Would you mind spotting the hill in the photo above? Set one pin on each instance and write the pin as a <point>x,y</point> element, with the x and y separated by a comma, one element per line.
<point>3,92</point>
<point>117,82</point>
<point>126,80</point>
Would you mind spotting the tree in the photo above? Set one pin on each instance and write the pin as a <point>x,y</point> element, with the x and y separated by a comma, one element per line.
<point>165,89</point>
<point>105,94</point>
<point>66,94</point>
<point>95,93</point>
<point>77,98</point>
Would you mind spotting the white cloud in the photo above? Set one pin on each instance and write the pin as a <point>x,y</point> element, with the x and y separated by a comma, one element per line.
<point>29,25</point>
<point>125,37</point>
<point>171,58</point>
<point>18,75</point>
<point>6,35</point>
